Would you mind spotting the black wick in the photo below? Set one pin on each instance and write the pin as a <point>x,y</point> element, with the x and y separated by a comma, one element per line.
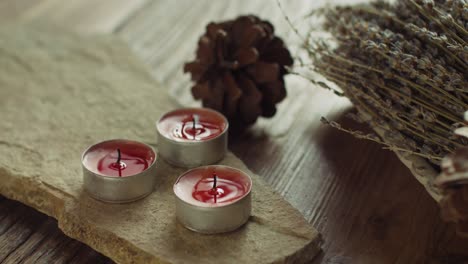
<point>118,157</point>
<point>193,124</point>
<point>214,180</point>
<point>195,121</point>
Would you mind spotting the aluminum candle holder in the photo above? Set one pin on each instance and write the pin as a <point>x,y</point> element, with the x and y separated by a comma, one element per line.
<point>192,137</point>
<point>119,170</point>
<point>200,210</point>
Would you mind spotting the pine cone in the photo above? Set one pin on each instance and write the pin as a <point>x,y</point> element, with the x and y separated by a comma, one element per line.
<point>239,69</point>
<point>454,183</point>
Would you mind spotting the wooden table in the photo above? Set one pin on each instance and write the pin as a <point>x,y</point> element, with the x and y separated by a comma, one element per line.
<point>366,204</point>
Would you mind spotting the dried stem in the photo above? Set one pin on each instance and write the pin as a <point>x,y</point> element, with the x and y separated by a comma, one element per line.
<point>403,65</point>
<point>370,137</point>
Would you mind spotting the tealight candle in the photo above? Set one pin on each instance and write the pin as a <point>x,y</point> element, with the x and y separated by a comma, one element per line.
<point>192,137</point>
<point>119,170</point>
<point>213,199</point>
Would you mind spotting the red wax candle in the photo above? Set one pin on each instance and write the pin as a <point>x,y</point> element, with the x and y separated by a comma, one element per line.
<point>212,186</point>
<point>118,158</point>
<point>192,124</point>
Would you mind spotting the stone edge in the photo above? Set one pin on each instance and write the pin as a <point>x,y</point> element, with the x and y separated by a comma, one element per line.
<point>53,203</point>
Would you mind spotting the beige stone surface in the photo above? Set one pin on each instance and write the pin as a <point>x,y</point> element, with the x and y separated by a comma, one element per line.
<point>59,93</point>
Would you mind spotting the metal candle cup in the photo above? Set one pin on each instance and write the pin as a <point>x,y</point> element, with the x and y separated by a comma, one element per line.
<point>200,212</point>
<point>132,178</point>
<point>191,137</point>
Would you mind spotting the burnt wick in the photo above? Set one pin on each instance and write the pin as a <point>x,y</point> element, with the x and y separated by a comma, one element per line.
<point>119,157</point>
<point>196,119</point>
<point>214,180</point>
<point>194,123</point>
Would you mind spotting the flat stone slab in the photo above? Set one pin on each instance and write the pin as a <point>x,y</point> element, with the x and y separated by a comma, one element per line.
<point>61,92</point>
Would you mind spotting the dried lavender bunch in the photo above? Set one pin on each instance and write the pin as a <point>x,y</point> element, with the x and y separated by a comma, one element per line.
<point>405,68</point>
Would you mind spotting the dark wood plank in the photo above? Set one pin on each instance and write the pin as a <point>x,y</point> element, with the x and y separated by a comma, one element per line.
<point>32,237</point>
<point>11,215</point>
<point>32,244</point>
<point>87,255</point>
<point>54,248</point>
<point>22,223</point>
<point>368,212</point>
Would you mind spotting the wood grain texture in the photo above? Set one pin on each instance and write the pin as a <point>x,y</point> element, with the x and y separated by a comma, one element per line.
<point>365,203</point>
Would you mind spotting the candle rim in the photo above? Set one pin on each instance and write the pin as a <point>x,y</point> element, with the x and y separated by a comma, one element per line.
<point>206,205</point>
<point>187,142</point>
<point>117,139</point>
